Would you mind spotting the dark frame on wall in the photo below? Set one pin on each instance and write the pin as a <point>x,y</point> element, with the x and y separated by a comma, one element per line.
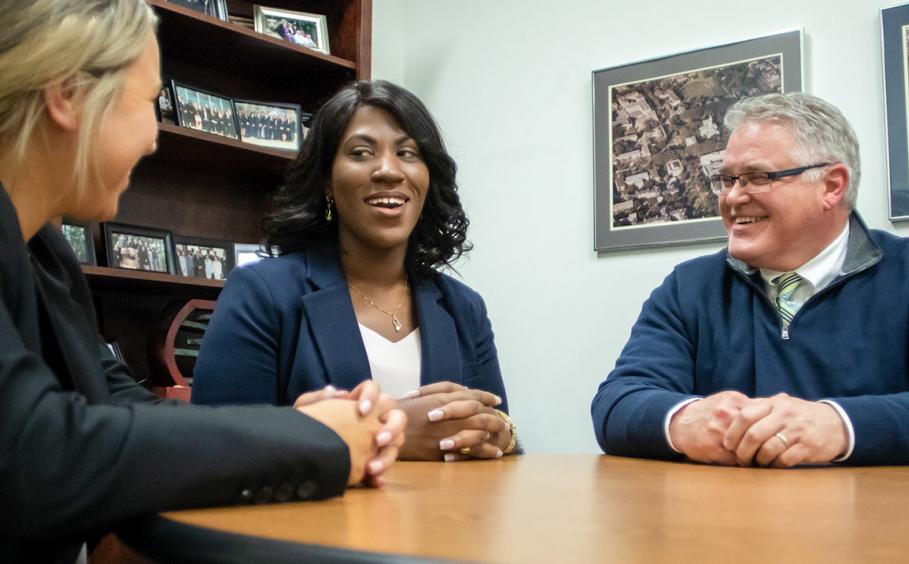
<point>895,50</point>
<point>658,134</point>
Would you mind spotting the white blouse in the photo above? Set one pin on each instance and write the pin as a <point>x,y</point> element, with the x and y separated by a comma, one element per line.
<point>394,366</point>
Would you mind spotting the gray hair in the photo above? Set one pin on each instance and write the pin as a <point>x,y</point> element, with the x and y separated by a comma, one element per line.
<point>87,44</point>
<point>822,133</point>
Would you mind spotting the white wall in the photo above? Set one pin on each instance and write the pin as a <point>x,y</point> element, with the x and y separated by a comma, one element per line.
<point>509,83</point>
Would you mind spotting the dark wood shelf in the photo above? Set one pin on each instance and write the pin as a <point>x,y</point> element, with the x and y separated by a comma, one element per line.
<point>106,279</point>
<point>203,151</point>
<point>262,67</point>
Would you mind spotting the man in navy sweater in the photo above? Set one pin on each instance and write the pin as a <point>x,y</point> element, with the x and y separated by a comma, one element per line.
<point>789,346</point>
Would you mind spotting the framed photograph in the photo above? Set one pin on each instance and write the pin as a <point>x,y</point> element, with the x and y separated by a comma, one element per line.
<point>204,111</point>
<point>204,258</point>
<point>895,49</point>
<point>165,105</point>
<point>299,28</point>
<point>79,236</point>
<point>213,8</point>
<point>139,248</point>
<point>269,124</point>
<point>659,135</point>
<point>245,253</point>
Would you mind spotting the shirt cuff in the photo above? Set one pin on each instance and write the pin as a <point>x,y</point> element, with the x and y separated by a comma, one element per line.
<point>675,409</point>
<point>849,429</point>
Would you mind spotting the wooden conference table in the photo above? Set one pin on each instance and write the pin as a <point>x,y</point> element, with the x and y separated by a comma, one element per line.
<point>563,508</point>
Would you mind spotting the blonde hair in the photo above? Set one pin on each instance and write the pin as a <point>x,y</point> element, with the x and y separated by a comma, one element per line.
<point>86,44</point>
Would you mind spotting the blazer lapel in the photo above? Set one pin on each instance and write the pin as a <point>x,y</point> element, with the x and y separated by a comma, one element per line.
<point>73,335</point>
<point>440,355</point>
<point>332,320</point>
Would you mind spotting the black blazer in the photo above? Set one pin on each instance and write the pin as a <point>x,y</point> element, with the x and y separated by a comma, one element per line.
<point>83,447</point>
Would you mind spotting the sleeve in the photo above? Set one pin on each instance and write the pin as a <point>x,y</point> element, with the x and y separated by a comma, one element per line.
<point>880,427</point>
<point>238,359</point>
<point>68,469</point>
<point>654,372</point>
<point>489,375</point>
<point>123,388</point>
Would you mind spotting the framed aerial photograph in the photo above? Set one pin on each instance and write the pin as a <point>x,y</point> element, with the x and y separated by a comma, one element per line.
<point>204,258</point>
<point>659,135</point>
<point>204,111</point>
<point>300,28</point>
<point>245,253</point>
<point>895,49</point>
<point>139,248</point>
<point>269,124</point>
<point>213,8</point>
<point>79,236</point>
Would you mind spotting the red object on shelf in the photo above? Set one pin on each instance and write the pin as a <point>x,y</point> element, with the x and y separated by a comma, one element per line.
<point>178,333</point>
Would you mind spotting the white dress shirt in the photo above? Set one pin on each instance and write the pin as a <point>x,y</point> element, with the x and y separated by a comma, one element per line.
<point>816,275</point>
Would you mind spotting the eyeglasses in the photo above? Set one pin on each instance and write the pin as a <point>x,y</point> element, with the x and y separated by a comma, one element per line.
<point>755,182</point>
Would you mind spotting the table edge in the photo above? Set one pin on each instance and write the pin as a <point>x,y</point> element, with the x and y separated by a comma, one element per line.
<point>160,538</point>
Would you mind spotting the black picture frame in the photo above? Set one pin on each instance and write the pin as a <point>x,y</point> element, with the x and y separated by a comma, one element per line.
<point>276,125</point>
<point>214,8</point>
<point>133,247</point>
<point>658,135</point>
<point>80,238</point>
<point>194,110</point>
<point>198,263</point>
<point>895,59</point>
<point>165,106</point>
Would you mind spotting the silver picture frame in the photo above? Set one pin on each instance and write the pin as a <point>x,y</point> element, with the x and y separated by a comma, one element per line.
<point>299,28</point>
<point>658,135</point>
<point>895,61</point>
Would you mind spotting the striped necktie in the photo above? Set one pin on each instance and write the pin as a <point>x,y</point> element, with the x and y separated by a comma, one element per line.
<point>786,285</point>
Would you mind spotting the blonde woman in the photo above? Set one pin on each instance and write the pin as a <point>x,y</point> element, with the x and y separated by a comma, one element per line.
<point>80,442</point>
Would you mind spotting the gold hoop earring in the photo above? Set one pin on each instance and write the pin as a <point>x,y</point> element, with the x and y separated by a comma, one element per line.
<point>328,202</point>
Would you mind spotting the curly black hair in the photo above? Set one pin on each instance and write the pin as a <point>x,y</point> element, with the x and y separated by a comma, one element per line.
<point>297,221</point>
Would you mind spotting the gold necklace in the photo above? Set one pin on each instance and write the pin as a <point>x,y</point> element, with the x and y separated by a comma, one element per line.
<point>395,322</point>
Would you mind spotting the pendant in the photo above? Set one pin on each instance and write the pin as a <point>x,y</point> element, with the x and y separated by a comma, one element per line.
<point>396,323</point>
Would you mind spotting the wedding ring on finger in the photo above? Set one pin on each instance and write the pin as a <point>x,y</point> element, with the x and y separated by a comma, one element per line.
<point>782,439</point>
<point>465,451</point>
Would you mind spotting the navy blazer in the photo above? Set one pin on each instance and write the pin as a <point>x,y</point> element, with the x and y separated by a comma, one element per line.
<point>284,326</point>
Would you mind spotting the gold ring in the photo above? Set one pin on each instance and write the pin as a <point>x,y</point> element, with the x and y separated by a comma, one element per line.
<point>782,439</point>
<point>465,451</point>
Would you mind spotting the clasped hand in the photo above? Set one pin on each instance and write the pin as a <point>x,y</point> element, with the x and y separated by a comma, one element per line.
<point>781,431</point>
<point>448,421</point>
<point>366,420</point>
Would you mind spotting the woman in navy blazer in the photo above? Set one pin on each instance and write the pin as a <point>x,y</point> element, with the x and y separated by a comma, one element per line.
<point>369,212</point>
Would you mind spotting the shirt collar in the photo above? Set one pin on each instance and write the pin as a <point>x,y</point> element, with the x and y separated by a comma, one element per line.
<point>823,268</point>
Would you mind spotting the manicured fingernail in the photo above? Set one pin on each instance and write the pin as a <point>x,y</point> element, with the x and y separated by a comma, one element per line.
<point>435,414</point>
<point>498,454</point>
<point>412,394</point>
<point>450,457</point>
<point>446,444</point>
<point>375,466</point>
<point>365,407</point>
<point>383,438</point>
<point>498,400</point>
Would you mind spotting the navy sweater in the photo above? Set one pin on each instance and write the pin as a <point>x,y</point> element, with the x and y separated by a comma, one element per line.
<point>710,327</point>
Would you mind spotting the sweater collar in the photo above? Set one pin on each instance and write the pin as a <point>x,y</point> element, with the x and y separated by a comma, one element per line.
<point>861,251</point>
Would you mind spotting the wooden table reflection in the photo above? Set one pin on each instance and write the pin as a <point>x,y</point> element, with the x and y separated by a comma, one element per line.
<point>588,508</point>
